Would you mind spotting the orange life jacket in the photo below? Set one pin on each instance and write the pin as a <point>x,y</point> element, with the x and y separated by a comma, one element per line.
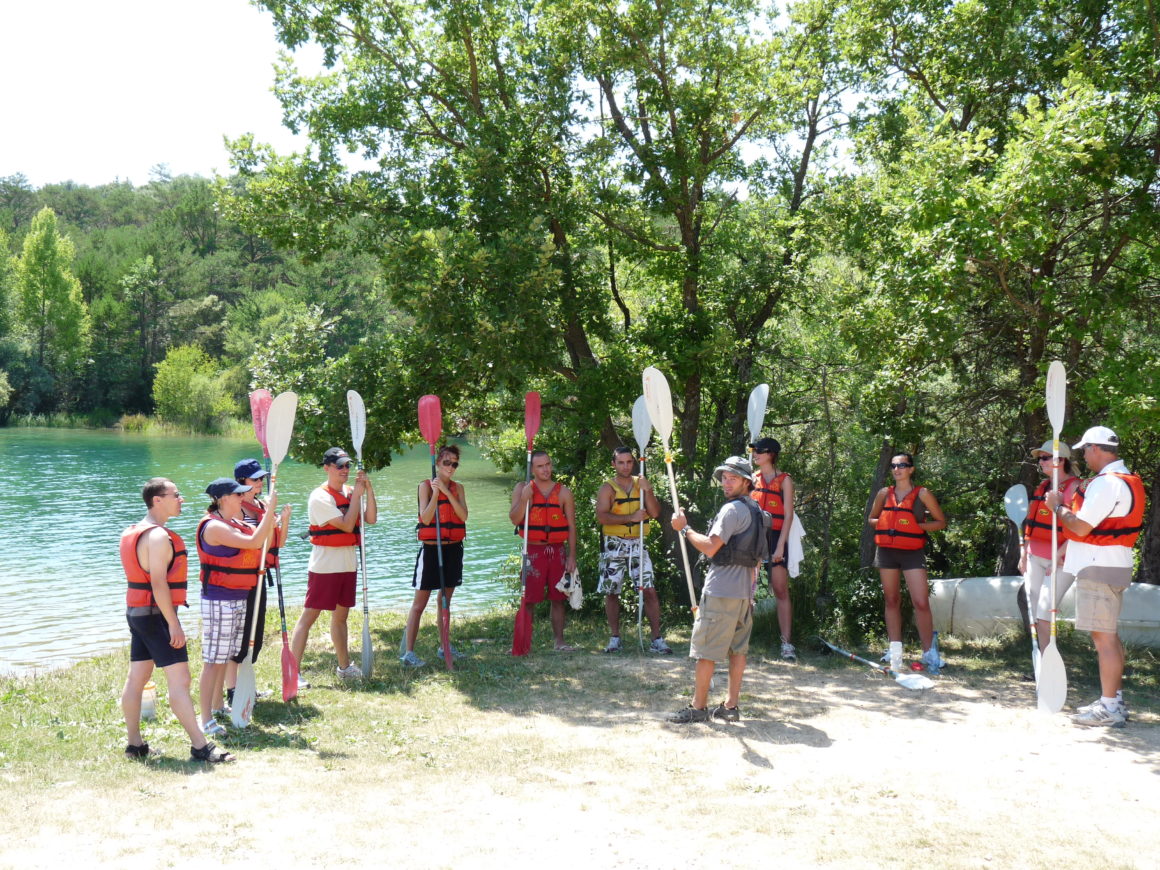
<point>328,535</point>
<point>546,521</point>
<point>452,530</point>
<point>140,591</point>
<point>1037,526</point>
<point>236,571</point>
<point>898,523</point>
<point>768,498</point>
<point>260,509</point>
<point>1116,531</point>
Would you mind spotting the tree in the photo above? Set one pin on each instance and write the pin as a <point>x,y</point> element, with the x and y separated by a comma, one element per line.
<point>188,389</point>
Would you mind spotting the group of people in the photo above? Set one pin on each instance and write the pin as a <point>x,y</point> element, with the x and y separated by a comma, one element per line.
<point>240,535</point>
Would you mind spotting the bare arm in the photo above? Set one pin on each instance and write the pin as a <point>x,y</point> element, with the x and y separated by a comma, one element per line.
<point>787,498</point>
<point>157,549</point>
<point>937,521</point>
<point>521,499</point>
<point>876,510</point>
<point>371,507</point>
<point>221,534</point>
<point>707,544</point>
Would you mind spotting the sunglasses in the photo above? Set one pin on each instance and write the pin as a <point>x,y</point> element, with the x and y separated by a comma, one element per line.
<point>449,463</point>
<point>1045,458</point>
<point>761,450</point>
<point>902,465</point>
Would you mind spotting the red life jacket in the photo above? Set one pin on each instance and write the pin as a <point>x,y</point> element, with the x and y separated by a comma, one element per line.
<point>140,591</point>
<point>1116,531</point>
<point>236,571</point>
<point>260,509</point>
<point>1037,526</point>
<point>452,530</point>
<point>898,523</point>
<point>768,498</point>
<point>546,521</point>
<point>328,535</point>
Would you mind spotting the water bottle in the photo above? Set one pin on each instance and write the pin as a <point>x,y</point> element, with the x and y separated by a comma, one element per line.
<point>149,700</point>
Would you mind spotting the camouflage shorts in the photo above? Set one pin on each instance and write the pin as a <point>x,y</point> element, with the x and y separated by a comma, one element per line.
<point>620,560</point>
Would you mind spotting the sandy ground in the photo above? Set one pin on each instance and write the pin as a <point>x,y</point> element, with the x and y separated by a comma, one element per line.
<point>831,766</point>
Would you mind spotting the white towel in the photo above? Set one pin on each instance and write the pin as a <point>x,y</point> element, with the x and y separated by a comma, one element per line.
<point>793,547</point>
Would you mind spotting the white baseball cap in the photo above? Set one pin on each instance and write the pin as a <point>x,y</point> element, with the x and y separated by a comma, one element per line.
<point>1098,435</point>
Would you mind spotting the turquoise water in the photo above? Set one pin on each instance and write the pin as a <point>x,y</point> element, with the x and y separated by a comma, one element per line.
<point>68,494</point>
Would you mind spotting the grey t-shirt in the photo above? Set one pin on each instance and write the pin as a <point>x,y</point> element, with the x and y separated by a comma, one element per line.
<point>730,581</point>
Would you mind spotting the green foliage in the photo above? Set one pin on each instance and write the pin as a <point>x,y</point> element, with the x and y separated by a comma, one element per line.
<point>189,389</point>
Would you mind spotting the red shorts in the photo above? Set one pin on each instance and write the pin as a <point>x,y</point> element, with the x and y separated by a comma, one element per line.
<point>545,568</point>
<point>326,591</point>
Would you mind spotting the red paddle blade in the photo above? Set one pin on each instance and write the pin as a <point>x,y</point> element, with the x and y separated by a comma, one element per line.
<point>531,417</point>
<point>289,672</point>
<point>430,419</point>
<point>260,401</point>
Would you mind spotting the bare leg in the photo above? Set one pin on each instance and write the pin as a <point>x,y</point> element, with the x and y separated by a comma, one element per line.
<point>703,676</point>
<point>916,584</point>
<point>558,622</point>
<point>736,670</point>
<point>231,681</point>
<point>139,673</point>
<point>302,633</point>
<point>1042,633</point>
<point>178,680</point>
<point>1111,658</point>
<point>779,580</point>
<point>652,609</point>
<point>338,635</point>
<point>612,614</point>
<point>210,682</point>
<point>892,592</point>
<point>418,605</point>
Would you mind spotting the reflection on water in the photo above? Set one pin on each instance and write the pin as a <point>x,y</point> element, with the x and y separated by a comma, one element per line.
<point>69,494</point>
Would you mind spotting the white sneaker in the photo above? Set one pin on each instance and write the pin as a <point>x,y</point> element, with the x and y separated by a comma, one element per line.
<point>302,684</point>
<point>350,672</point>
<point>411,660</point>
<point>613,645</point>
<point>1098,714</point>
<point>788,653</point>
<point>455,654</point>
<point>659,647</point>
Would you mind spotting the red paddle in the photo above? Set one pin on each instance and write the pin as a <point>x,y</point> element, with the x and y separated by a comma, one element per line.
<point>522,637</point>
<point>260,402</point>
<point>431,426</point>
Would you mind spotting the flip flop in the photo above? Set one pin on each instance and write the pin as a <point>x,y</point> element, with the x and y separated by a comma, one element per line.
<point>567,648</point>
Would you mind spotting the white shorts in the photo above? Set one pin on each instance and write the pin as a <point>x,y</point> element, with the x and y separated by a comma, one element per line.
<point>1038,594</point>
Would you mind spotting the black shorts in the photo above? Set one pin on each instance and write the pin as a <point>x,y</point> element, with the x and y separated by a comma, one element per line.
<point>901,560</point>
<point>149,640</point>
<point>774,536</point>
<point>427,566</point>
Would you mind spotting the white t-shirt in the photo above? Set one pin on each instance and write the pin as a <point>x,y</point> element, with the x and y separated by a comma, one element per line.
<point>320,510</point>
<point>1106,496</point>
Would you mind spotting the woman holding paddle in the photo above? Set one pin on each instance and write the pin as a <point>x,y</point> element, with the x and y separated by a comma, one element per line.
<point>901,517</point>
<point>230,553</point>
<point>443,496</point>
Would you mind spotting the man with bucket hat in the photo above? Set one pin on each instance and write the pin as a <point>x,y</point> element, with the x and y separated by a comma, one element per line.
<point>1104,521</point>
<point>735,545</point>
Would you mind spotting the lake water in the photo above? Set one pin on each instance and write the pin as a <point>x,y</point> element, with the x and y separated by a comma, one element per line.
<point>74,491</point>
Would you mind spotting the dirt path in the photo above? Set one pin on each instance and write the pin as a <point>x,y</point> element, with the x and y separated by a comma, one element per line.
<point>831,766</point>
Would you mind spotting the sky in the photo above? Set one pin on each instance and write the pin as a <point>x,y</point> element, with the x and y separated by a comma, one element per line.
<point>101,90</point>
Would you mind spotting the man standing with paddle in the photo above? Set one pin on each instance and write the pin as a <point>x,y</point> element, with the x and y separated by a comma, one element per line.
<point>544,514</point>
<point>735,545</point>
<point>1104,522</point>
<point>624,506</point>
<point>332,571</point>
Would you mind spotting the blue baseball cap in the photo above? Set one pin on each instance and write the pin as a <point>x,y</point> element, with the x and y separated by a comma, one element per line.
<point>225,486</point>
<point>249,468</point>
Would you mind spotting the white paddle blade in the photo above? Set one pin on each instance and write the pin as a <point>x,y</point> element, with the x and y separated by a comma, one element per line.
<point>758,399</point>
<point>641,424</point>
<point>1015,501</point>
<point>659,402</point>
<point>280,425</point>
<point>245,694</point>
<point>358,421</point>
<point>917,682</point>
<point>368,653</point>
<point>1056,398</point>
<point>1052,686</point>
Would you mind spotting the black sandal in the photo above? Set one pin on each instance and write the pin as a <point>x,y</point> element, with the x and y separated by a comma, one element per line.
<point>135,752</point>
<point>211,754</point>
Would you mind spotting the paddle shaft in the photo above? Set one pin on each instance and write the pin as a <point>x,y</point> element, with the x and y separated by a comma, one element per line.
<point>681,541</point>
<point>444,604</point>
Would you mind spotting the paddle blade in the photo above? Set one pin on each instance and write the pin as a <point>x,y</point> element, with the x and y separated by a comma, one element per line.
<point>531,417</point>
<point>289,672</point>
<point>659,402</point>
<point>1052,686</point>
<point>1056,398</point>
<point>260,401</point>
<point>358,421</point>
<point>280,425</point>
<point>368,653</point>
<point>641,424</point>
<point>430,419</point>
<point>758,399</point>
<point>1015,501</point>
<point>245,694</point>
<point>916,682</point>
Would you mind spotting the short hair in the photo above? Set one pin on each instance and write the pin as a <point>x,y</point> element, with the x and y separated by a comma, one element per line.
<point>446,449</point>
<point>621,451</point>
<point>538,453</point>
<point>155,487</point>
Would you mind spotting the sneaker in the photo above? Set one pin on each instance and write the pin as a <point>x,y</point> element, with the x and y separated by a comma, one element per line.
<point>1098,714</point>
<point>455,654</point>
<point>689,714</point>
<point>350,672</point>
<point>726,714</point>
<point>302,684</point>
<point>659,647</point>
<point>613,645</point>
<point>1087,708</point>
<point>932,662</point>
<point>411,660</point>
<point>788,653</point>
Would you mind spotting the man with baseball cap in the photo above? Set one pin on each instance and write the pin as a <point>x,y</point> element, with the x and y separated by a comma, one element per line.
<point>735,545</point>
<point>332,572</point>
<point>1103,521</point>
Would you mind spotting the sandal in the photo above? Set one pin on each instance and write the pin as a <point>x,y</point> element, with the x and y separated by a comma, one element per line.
<point>211,754</point>
<point>567,648</point>
<point>141,751</point>
<point>214,728</point>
